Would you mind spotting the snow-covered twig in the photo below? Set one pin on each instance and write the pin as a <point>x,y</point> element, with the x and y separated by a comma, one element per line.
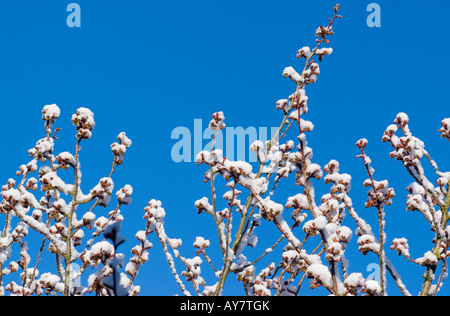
<point>57,219</point>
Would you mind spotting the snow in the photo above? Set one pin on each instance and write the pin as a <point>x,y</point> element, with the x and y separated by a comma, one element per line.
<point>304,52</point>
<point>289,145</point>
<point>124,194</point>
<point>43,149</point>
<point>299,201</point>
<point>445,130</point>
<point>102,249</point>
<point>83,119</point>
<point>401,245</point>
<point>271,209</point>
<point>49,280</point>
<point>258,147</point>
<point>124,140</point>
<point>88,217</point>
<point>313,227</point>
<point>238,167</point>
<point>51,212</point>
<point>428,259</point>
<point>12,195</point>
<point>203,157</point>
<point>203,204</point>
<point>52,180</point>
<point>323,31</point>
<point>314,171</point>
<point>201,243</point>
<point>368,243</point>
<point>290,256</point>
<point>306,126</point>
<point>276,162</point>
<point>372,287</point>
<point>282,104</point>
<point>402,119</point>
<point>287,230</point>
<point>354,280</point>
<point>217,123</point>
<point>217,155</point>
<point>66,158</point>
<point>320,273</point>
<point>290,72</point>
<point>345,234</point>
<point>119,149</point>
<point>141,236</point>
<point>324,51</point>
<point>261,290</point>
<point>50,112</point>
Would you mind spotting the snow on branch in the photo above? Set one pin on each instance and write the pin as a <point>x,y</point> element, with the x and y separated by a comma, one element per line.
<point>63,217</point>
<point>317,251</point>
<point>309,235</point>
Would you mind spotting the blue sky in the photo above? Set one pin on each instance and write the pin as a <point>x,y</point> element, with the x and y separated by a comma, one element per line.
<point>147,67</point>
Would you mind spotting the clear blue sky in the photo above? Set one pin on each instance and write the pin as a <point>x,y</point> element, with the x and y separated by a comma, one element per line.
<point>147,67</point>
